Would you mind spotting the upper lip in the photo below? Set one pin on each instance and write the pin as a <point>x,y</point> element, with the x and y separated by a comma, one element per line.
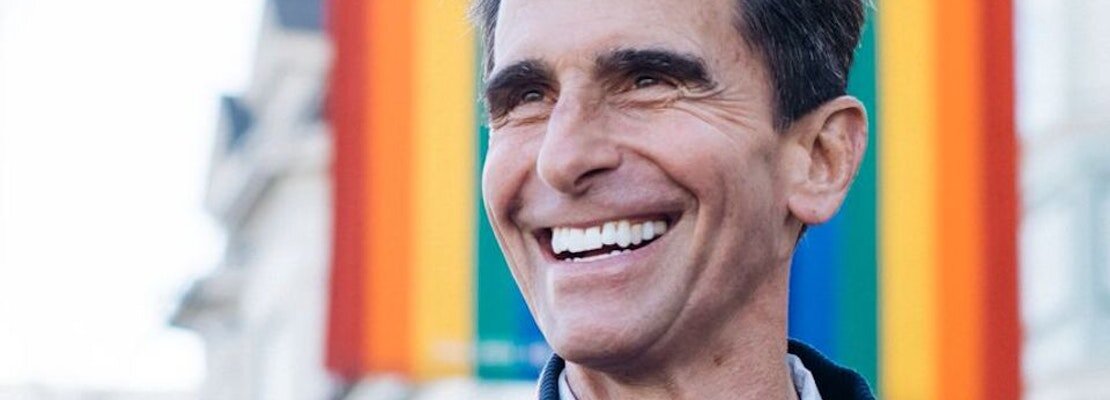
<point>546,213</point>
<point>668,216</point>
<point>585,217</point>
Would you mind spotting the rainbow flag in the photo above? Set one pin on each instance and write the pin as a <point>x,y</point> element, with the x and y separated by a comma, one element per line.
<point>913,283</point>
<point>401,104</point>
<point>418,283</point>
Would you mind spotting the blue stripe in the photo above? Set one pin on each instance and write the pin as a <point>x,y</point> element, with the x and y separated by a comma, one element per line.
<point>813,287</point>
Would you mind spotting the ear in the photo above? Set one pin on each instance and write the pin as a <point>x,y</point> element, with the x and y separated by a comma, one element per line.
<point>825,149</point>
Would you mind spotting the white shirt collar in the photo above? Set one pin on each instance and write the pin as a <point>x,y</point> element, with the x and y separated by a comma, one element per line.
<point>564,387</point>
<point>803,381</point>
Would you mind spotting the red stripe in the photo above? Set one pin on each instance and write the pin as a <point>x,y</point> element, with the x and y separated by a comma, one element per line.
<point>1001,344</point>
<point>345,112</point>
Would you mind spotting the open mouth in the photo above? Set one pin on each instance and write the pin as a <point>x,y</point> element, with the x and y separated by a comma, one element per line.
<point>604,240</point>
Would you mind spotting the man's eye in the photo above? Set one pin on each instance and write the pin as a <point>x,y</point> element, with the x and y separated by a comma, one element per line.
<point>644,81</point>
<point>531,96</point>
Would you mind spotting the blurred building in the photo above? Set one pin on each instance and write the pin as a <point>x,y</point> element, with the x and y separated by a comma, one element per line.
<point>261,312</point>
<point>54,392</point>
<point>1064,114</point>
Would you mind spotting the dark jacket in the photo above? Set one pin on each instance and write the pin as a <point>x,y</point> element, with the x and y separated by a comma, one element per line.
<point>833,381</point>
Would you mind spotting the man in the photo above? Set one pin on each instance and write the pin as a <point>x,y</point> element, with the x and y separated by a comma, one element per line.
<point>651,166</point>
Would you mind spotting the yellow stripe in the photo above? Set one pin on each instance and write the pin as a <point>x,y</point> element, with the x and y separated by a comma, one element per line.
<point>908,201</point>
<point>444,166</point>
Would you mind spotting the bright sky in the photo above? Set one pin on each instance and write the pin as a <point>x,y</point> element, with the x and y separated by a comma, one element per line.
<point>107,115</point>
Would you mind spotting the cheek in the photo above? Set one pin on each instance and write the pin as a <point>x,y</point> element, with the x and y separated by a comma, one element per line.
<point>493,187</point>
<point>507,164</point>
<point>709,157</point>
<point>727,164</point>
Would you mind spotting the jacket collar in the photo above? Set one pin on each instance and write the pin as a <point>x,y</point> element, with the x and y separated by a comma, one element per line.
<point>833,381</point>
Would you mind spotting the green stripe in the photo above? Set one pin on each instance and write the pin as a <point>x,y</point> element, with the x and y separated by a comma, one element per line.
<point>857,330</point>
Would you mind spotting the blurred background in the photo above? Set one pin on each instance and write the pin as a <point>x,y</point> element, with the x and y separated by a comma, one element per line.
<point>278,199</point>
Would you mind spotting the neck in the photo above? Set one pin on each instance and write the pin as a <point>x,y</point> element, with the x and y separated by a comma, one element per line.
<point>741,356</point>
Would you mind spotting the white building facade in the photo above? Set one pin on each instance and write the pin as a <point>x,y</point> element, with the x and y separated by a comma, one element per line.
<point>262,312</point>
<point>1063,48</point>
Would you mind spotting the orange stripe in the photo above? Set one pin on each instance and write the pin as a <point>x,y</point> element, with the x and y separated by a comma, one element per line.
<point>389,141</point>
<point>959,186</point>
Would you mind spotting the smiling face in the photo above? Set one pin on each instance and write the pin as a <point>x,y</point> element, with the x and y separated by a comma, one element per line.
<point>633,177</point>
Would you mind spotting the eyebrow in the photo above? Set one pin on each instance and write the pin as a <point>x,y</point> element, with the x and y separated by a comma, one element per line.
<point>507,83</point>
<point>685,68</point>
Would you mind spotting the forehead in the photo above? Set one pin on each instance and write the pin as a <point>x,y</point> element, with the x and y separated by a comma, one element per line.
<point>565,31</point>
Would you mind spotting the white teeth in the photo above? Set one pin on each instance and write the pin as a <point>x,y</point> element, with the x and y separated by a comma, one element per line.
<point>591,258</point>
<point>599,256</point>
<point>609,233</point>
<point>563,239</point>
<point>649,230</point>
<point>593,238</point>
<point>621,233</point>
<point>624,234</point>
<point>558,244</point>
<point>577,240</point>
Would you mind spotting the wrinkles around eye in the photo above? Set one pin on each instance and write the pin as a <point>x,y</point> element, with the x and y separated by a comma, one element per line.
<point>527,113</point>
<point>661,93</point>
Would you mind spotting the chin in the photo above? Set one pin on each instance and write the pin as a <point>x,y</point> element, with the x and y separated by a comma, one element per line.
<point>602,336</point>
<point>599,346</point>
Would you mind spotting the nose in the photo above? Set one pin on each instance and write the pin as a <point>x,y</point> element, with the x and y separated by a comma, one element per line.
<point>576,148</point>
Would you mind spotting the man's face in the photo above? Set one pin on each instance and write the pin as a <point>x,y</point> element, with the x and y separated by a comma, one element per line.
<point>610,116</point>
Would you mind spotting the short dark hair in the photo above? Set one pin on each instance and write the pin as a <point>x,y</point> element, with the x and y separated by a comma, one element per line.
<point>806,45</point>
